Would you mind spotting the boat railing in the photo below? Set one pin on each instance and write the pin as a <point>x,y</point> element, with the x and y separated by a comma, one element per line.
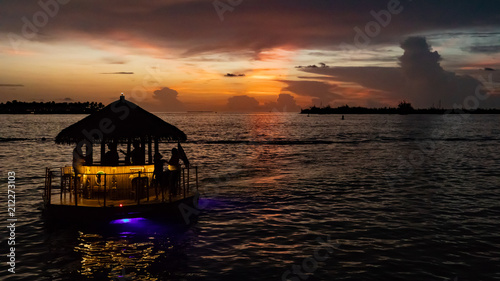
<point>112,189</point>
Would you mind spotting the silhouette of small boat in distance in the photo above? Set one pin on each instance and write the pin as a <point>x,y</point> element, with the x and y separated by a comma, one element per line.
<point>111,188</point>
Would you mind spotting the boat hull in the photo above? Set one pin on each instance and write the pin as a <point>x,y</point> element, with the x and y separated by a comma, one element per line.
<point>182,210</point>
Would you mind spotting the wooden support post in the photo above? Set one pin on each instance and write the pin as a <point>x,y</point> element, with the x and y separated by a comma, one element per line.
<point>157,146</point>
<point>196,171</point>
<point>103,151</point>
<point>104,190</point>
<point>50,187</point>
<point>147,188</point>
<point>143,151</point>
<point>183,182</point>
<point>150,151</point>
<point>46,190</point>
<point>162,188</point>
<point>127,157</point>
<point>137,189</point>
<point>76,190</point>
<point>89,158</point>
<point>188,180</point>
<point>170,190</point>
<point>45,187</point>
<point>46,183</point>
<point>63,183</point>
<point>72,179</point>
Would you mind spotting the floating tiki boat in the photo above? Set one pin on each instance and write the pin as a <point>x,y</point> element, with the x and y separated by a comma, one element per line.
<point>136,184</point>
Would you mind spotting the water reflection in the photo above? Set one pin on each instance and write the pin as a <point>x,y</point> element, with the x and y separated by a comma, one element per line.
<point>118,259</point>
<point>265,200</point>
<point>265,127</point>
<point>124,249</point>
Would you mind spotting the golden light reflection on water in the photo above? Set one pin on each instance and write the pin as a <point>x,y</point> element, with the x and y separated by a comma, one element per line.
<point>120,258</point>
<point>267,126</point>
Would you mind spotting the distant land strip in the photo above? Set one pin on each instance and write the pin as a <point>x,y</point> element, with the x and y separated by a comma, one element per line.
<point>393,110</point>
<point>17,107</point>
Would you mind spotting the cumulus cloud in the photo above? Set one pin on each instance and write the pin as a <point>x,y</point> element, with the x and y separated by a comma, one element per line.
<point>242,103</point>
<point>418,61</point>
<point>245,103</point>
<point>427,81</point>
<point>419,79</point>
<point>284,103</point>
<point>167,100</point>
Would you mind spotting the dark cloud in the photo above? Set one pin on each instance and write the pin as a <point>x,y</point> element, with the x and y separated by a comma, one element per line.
<point>419,62</point>
<point>322,65</point>
<point>427,81</point>
<point>234,75</point>
<point>167,101</point>
<point>484,49</point>
<point>194,27</point>
<point>11,85</point>
<point>242,103</point>
<point>419,79</point>
<point>377,59</point>
<point>389,79</point>
<point>319,54</point>
<point>320,92</point>
<point>120,72</point>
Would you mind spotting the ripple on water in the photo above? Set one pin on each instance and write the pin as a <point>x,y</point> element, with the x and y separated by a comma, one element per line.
<point>271,186</point>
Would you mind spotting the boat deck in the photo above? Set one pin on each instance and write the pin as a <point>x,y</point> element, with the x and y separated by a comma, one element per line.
<point>66,199</point>
<point>118,189</point>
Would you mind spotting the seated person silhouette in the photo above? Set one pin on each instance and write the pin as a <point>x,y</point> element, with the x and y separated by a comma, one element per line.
<point>111,157</point>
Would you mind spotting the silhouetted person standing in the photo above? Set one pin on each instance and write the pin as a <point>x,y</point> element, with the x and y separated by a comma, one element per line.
<point>78,163</point>
<point>136,155</point>
<point>111,157</point>
<point>158,175</point>
<point>174,168</point>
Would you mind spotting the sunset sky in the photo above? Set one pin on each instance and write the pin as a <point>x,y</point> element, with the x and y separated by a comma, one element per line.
<point>252,55</point>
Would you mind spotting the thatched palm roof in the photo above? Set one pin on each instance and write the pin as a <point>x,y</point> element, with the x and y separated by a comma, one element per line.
<point>120,121</point>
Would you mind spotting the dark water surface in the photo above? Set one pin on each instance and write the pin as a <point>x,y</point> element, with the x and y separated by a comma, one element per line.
<point>372,197</point>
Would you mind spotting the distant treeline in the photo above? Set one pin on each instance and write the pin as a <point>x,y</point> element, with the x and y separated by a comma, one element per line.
<point>17,107</point>
<point>403,108</point>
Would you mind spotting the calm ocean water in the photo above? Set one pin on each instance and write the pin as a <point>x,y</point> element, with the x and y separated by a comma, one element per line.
<point>372,197</point>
